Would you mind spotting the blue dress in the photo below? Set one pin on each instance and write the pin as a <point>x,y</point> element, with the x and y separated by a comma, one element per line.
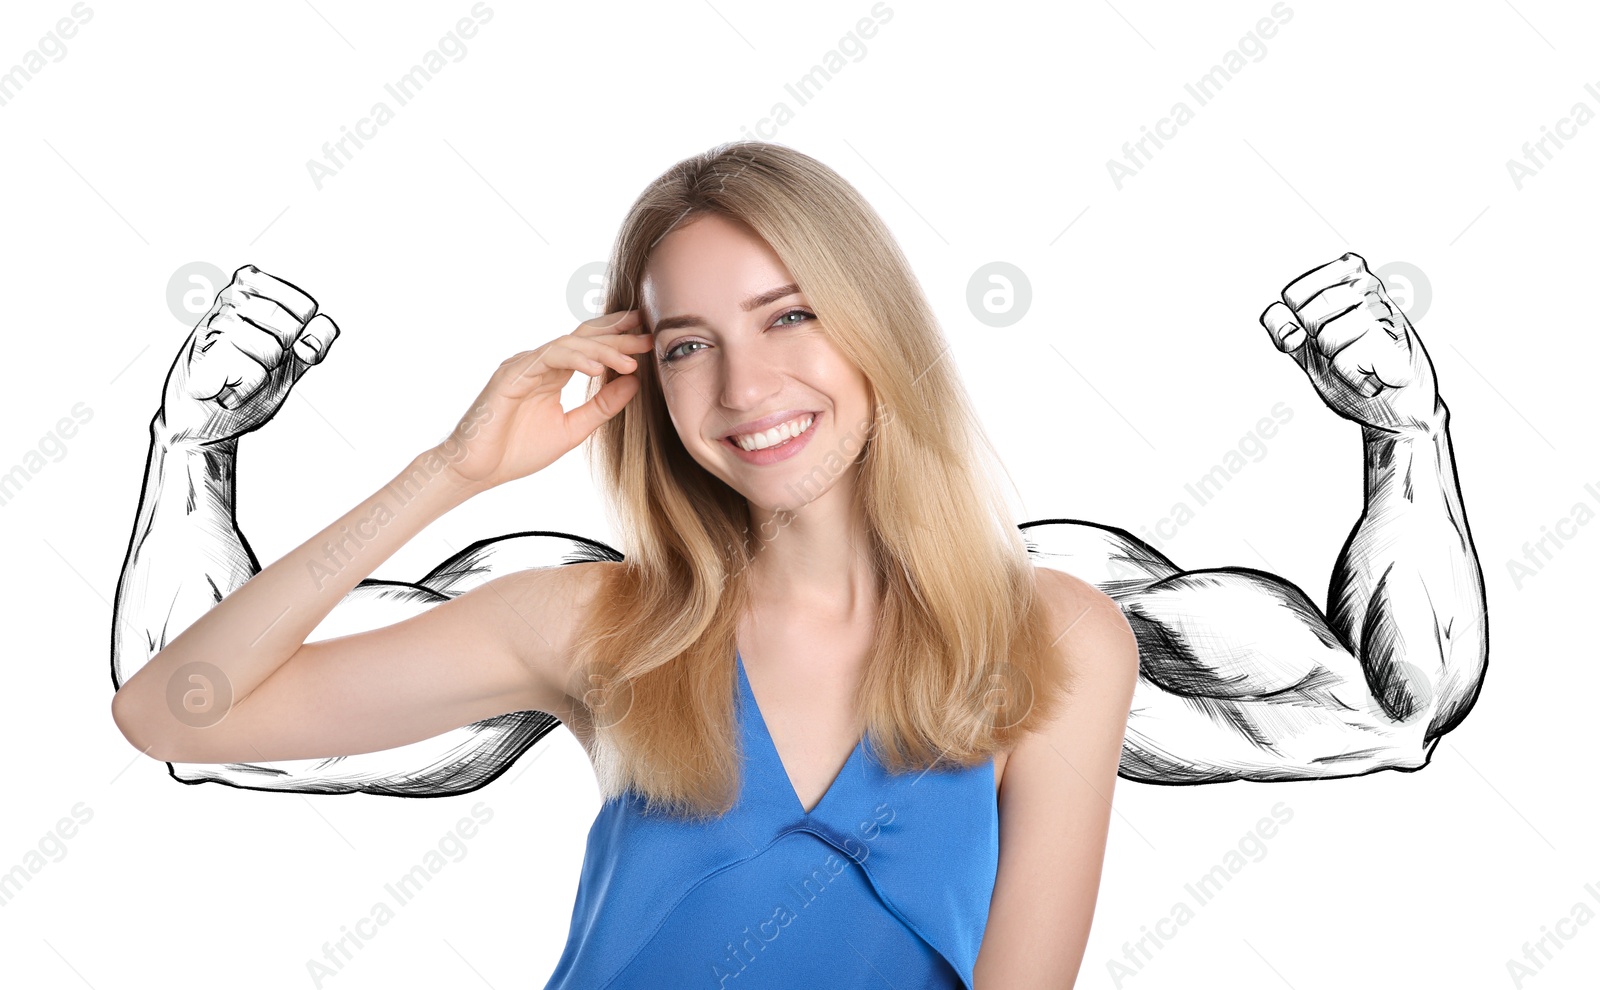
<point>886,882</point>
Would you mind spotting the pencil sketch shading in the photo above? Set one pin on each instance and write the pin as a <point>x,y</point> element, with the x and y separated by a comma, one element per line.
<point>1242,675</point>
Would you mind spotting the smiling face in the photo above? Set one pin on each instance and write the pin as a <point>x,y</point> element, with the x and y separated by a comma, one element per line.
<point>739,352</point>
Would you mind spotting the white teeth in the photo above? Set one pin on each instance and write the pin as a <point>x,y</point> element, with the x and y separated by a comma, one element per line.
<point>778,434</point>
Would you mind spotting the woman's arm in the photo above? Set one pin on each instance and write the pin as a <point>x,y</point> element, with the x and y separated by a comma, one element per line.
<point>241,683</point>
<point>187,553</point>
<point>1055,800</point>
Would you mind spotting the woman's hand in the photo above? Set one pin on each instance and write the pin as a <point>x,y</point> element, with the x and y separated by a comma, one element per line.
<point>517,425</point>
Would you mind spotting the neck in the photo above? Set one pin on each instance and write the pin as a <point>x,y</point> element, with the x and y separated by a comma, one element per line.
<point>816,556</point>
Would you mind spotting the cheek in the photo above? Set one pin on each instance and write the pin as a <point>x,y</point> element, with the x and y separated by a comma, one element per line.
<point>847,385</point>
<point>670,400</point>
<point>679,400</point>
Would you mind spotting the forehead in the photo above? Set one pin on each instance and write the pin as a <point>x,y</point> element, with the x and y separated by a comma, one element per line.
<point>709,264</point>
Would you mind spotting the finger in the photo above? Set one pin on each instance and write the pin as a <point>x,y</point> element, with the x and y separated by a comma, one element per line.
<point>549,367</point>
<point>584,419</point>
<point>627,341</point>
<point>1341,269</point>
<point>630,343</point>
<point>315,339</point>
<point>228,377</point>
<point>521,373</point>
<point>622,321</point>
<point>1352,325</point>
<point>599,353</point>
<point>1360,295</point>
<point>261,312</point>
<point>227,331</point>
<point>1286,333</point>
<point>1369,363</point>
<point>1392,313</point>
<point>286,294</point>
<point>619,346</point>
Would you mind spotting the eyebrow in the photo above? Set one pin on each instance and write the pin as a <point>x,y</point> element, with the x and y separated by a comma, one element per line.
<point>754,302</point>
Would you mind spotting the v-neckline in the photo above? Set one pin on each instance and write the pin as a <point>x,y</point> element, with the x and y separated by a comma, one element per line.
<point>772,747</point>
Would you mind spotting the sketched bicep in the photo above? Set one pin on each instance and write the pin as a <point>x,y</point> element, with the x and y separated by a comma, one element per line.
<point>1233,634</point>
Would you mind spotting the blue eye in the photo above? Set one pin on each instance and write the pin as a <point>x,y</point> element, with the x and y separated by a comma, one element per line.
<point>671,354</point>
<point>668,358</point>
<point>796,312</point>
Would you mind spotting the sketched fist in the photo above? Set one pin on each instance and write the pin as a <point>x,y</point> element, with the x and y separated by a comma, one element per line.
<point>241,359</point>
<point>1363,356</point>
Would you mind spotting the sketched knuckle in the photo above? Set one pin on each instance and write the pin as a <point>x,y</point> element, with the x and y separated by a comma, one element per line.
<point>221,322</point>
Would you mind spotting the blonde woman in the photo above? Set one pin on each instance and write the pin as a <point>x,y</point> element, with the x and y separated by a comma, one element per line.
<point>845,730</point>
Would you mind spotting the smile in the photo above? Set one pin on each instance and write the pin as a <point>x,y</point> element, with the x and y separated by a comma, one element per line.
<point>778,434</point>
<point>779,443</point>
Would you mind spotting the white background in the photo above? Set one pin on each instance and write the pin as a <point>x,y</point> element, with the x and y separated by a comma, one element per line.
<point>177,134</point>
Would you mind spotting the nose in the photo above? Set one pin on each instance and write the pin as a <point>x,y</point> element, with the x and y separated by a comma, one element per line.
<point>748,381</point>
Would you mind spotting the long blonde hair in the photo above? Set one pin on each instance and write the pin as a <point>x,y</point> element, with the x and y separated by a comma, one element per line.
<point>960,664</point>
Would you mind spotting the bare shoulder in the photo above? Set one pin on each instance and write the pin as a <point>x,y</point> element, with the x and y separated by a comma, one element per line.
<point>1090,623</point>
<point>1097,645</point>
<point>544,608</point>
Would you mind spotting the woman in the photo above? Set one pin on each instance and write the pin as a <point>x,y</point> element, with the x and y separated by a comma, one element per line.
<point>810,518</point>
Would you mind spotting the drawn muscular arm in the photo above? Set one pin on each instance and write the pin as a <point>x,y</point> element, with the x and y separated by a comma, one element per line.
<point>1241,675</point>
<point>187,553</point>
